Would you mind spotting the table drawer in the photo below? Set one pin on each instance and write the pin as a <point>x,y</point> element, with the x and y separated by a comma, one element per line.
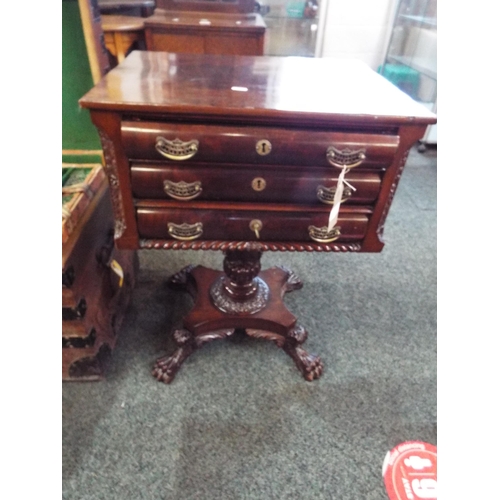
<point>241,225</point>
<point>256,145</point>
<point>259,184</point>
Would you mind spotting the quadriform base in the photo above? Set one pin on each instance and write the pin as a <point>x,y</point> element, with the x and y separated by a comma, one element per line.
<point>240,299</point>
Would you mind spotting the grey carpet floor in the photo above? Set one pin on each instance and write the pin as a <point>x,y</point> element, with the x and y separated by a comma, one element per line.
<point>239,422</point>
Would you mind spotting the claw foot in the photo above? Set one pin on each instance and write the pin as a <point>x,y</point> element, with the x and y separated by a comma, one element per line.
<point>293,282</point>
<point>179,281</point>
<point>309,365</point>
<point>167,367</point>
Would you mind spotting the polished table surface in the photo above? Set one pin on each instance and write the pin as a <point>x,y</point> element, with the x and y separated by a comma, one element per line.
<point>293,89</point>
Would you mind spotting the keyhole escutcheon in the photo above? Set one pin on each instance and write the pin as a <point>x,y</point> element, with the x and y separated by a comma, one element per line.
<point>258,184</point>
<point>263,147</point>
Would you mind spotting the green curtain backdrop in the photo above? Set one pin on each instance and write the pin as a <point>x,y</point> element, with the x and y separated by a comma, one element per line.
<point>78,130</point>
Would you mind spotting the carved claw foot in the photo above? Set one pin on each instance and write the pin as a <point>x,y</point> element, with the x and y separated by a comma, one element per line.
<point>180,280</point>
<point>309,365</point>
<point>167,367</point>
<point>293,282</point>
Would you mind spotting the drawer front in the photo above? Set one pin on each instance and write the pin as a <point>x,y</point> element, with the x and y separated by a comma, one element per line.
<point>247,225</point>
<point>256,145</point>
<point>269,185</point>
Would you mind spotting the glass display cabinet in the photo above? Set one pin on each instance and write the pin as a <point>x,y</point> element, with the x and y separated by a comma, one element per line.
<point>292,26</point>
<point>411,59</point>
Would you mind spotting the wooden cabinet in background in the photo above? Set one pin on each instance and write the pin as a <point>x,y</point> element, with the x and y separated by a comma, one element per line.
<point>205,32</point>
<point>226,6</point>
<point>185,26</point>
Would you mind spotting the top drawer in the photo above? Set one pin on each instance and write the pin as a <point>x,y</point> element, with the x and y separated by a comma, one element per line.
<point>256,145</point>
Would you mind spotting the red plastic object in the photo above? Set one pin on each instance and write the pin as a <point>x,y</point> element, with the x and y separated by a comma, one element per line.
<point>410,471</point>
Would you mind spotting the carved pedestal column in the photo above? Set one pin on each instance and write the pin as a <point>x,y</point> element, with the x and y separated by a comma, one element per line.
<point>240,290</point>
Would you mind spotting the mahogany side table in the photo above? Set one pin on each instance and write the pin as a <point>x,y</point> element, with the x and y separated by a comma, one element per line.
<point>247,154</point>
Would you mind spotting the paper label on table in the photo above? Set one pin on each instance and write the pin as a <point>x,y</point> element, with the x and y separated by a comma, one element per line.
<point>337,200</point>
<point>410,471</point>
<point>117,269</point>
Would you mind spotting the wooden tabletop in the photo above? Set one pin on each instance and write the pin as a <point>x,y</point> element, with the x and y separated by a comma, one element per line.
<point>283,89</point>
<point>121,23</point>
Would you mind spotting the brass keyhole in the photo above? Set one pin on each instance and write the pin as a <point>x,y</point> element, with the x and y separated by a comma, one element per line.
<point>259,184</point>
<point>263,147</point>
<point>256,227</point>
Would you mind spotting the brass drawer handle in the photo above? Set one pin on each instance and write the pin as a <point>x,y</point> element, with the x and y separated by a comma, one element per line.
<point>345,158</point>
<point>185,232</point>
<point>322,235</point>
<point>326,195</point>
<point>182,191</point>
<point>176,150</point>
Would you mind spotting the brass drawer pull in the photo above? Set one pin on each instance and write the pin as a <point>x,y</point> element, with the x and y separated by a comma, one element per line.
<point>322,235</point>
<point>176,150</point>
<point>256,226</point>
<point>326,195</point>
<point>185,232</point>
<point>182,191</point>
<point>345,158</point>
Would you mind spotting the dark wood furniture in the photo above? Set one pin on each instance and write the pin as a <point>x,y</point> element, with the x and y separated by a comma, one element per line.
<point>243,154</point>
<point>144,7</point>
<point>205,32</point>
<point>226,6</point>
<point>97,284</point>
<point>122,34</point>
<point>90,21</point>
<point>94,298</point>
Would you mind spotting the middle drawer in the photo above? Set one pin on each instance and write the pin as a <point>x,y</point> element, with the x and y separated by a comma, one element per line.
<point>258,184</point>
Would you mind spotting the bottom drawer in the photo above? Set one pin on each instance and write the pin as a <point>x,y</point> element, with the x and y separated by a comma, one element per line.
<point>248,225</point>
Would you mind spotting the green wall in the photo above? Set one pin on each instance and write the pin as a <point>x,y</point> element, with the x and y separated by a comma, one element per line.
<point>78,130</point>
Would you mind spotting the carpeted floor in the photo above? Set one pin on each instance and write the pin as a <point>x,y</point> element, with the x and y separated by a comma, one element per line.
<point>239,421</point>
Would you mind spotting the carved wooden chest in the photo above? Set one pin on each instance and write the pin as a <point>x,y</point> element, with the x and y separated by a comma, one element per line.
<point>97,282</point>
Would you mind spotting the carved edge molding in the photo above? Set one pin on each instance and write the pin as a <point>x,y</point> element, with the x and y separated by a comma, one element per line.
<point>226,304</point>
<point>114,184</point>
<point>392,192</point>
<point>278,339</point>
<point>240,245</point>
